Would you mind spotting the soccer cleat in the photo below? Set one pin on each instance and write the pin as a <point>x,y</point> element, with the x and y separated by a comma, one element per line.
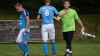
<point>53,54</point>
<point>70,54</point>
<point>66,54</point>
<point>26,54</point>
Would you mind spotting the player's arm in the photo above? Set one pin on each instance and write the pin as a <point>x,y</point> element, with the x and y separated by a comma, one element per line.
<point>57,18</point>
<point>59,14</point>
<point>13,29</point>
<point>78,20</point>
<point>27,23</point>
<point>80,23</point>
<point>38,20</point>
<point>62,14</point>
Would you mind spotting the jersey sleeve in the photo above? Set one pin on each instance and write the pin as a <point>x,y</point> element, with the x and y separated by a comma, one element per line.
<point>26,13</point>
<point>76,15</point>
<point>55,11</point>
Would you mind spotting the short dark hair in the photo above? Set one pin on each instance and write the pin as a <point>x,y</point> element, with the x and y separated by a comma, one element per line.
<point>47,1</point>
<point>66,1</point>
<point>17,4</point>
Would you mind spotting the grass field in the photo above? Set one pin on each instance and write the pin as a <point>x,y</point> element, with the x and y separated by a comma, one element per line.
<point>80,48</point>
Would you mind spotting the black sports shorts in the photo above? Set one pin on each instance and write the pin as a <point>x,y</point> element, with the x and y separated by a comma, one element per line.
<point>68,35</point>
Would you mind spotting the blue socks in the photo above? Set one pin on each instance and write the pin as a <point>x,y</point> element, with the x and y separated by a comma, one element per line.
<point>20,44</point>
<point>45,48</point>
<point>23,47</point>
<point>25,39</point>
<point>53,47</point>
<point>26,47</point>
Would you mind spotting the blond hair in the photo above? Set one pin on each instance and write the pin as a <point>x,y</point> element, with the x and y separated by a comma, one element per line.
<point>17,4</point>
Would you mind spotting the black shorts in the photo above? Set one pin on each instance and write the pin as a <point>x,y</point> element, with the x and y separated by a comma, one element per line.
<point>68,35</point>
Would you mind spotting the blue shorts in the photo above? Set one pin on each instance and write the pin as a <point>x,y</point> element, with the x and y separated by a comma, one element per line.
<point>25,37</point>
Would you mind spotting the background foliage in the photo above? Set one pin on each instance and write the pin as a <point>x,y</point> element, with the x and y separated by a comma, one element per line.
<point>82,6</point>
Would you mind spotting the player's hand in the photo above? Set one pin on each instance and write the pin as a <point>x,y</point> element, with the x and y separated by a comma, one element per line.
<point>13,30</point>
<point>39,26</point>
<point>65,12</point>
<point>26,30</point>
<point>83,28</point>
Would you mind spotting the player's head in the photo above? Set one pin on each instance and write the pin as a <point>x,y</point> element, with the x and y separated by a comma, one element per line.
<point>47,2</point>
<point>18,7</point>
<point>66,4</point>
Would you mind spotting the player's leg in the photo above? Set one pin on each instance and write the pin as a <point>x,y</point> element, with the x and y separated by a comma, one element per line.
<point>68,36</point>
<point>44,39</point>
<point>51,31</point>
<point>65,38</point>
<point>19,40</point>
<point>25,40</point>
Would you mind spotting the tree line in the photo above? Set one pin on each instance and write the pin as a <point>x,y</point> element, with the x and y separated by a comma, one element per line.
<point>81,6</point>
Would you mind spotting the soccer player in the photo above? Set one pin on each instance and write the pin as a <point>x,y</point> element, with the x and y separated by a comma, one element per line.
<point>47,12</point>
<point>23,25</point>
<point>68,25</point>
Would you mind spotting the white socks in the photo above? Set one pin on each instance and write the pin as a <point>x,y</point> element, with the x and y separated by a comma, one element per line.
<point>70,52</point>
<point>67,50</point>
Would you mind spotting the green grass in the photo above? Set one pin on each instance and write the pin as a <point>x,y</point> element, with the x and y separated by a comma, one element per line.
<point>80,48</point>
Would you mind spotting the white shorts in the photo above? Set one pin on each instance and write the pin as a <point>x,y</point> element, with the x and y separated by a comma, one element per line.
<point>20,35</point>
<point>48,31</point>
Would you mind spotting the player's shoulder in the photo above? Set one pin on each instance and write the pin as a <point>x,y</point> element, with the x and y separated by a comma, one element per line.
<point>52,7</point>
<point>25,12</point>
<point>48,6</point>
<point>42,7</point>
<point>45,7</point>
<point>72,10</point>
<point>62,11</point>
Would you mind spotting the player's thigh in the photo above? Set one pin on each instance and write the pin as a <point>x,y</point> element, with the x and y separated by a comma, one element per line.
<point>51,31</point>
<point>20,36</point>
<point>44,33</point>
<point>68,35</point>
<point>25,37</point>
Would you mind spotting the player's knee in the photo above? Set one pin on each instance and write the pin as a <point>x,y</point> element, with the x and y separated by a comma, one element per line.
<point>25,43</point>
<point>52,40</point>
<point>44,40</point>
<point>16,42</point>
<point>53,43</point>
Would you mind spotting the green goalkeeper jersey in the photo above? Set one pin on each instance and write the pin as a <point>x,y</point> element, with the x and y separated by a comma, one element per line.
<point>68,20</point>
